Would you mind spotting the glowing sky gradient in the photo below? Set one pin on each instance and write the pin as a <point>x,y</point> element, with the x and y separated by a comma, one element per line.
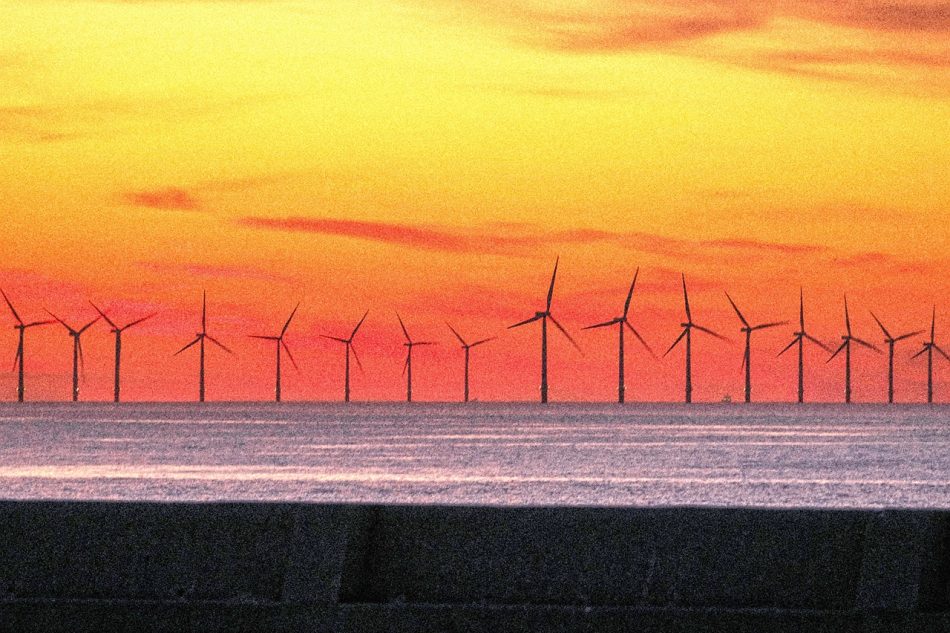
<point>433,156</point>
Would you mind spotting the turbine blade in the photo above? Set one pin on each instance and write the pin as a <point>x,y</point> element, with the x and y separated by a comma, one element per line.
<point>137,321</point>
<point>12,309</point>
<point>837,351</point>
<point>218,343</point>
<point>103,315</point>
<point>358,325</point>
<point>289,355</point>
<point>711,333</point>
<point>765,326</point>
<point>526,321</point>
<point>335,338</point>
<point>818,343</point>
<point>484,340</point>
<point>867,345</point>
<point>406,364</point>
<point>742,365</point>
<point>736,308</point>
<point>16,360</point>
<point>35,323</point>
<point>289,319</point>
<point>933,323</point>
<point>403,326</point>
<point>908,335</point>
<point>604,324</point>
<point>689,316</point>
<point>204,310</point>
<point>887,334</point>
<point>88,325</point>
<point>678,339</point>
<point>266,338</point>
<point>564,332</point>
<point>789,346</point>
<point>847,317</point>
<point>626,304</point>
<point>426,343</point>
<point>942,353</point>
<point>457,335</point>
<point>187,346</point>
<point>801,309</point>
<point>61,322</point>
<point>551,287</point>
<point>919,353</point>
<point>356,356</point>
<point>82,359</point>
<point>639,338</point>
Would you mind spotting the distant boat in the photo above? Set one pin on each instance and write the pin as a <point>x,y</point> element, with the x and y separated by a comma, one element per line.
<point>726,398</point>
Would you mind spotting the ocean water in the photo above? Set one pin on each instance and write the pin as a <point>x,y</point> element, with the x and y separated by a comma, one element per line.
<point>859,456</point>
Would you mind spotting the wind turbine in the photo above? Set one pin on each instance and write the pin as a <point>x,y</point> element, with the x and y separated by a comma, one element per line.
<point>846,346</point>
<point>407,368</point>
<point>467,347</point>
<point>21,327</point>
<point>117,330</point>
<point>349,347</point>
<point>929,347</point>
<point>747,357</point>
<point>687,333</point>
<point>800,336</point>
<point>77,349</point>
<point>620,322</point>
<point>543,317</point>
<point>200,340</point>
<point>280,343</point>
<point>891,341</point>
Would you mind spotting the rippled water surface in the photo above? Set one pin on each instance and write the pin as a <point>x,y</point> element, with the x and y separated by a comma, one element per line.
<point>500,454</point>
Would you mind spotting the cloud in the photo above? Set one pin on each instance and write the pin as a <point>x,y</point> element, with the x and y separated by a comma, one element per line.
<point>213,271</point>
<point>171,198</point>
<point>790,36</point>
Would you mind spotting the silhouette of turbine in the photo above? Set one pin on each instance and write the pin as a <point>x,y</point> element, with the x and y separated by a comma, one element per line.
<point>800,336</point>
<point>117,330</point>
<point>543,317</point>
<point>687,333</point>
<point>467,347</point>
<point>846,346</point>
<point>200,340</point>
<point>280,343</point>
<point>747,356</point>
<point>21,327</point>
<point>349,347</point>
<point>77,350</point>
<point>620,322</point>
<point>891,341</point>
<point>407,368</point>
<point>929,347</point>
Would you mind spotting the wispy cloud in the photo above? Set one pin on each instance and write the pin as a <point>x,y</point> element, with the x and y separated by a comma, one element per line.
<point>213,271</point>
<point>170,198</point>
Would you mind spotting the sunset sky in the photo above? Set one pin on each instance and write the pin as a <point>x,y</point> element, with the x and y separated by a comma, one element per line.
<point>433,157</point>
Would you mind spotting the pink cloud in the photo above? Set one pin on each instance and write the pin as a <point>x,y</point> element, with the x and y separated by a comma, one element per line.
<point>171,198</point>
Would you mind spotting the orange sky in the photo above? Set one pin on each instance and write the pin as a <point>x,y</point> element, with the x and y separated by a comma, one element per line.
<point>434,156</point>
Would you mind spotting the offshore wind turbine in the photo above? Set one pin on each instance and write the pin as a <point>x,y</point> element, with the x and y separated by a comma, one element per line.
<point>200,340</point>
<point>543,317</point>
<point>77,349</point>
<point>407,368</point>
<point>117,330</point>
<point>891,341</point>
<point>929,347</point>
<point>349,347</point>
<point>467,347</point>
<point>620,322</point>
<point>687,333</point>
<point>279,343</point>
<point>22,328</point>
<point>748,329</point>
<point>846,346</point>
<point>800,337</point>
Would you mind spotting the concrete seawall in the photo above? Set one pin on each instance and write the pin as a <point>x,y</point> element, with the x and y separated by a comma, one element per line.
<point>96,566</point>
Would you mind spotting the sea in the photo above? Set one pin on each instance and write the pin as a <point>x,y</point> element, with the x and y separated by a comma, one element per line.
<point>499,454</point>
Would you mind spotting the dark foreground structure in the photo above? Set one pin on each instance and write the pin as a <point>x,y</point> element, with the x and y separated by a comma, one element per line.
<point>68,566</point>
